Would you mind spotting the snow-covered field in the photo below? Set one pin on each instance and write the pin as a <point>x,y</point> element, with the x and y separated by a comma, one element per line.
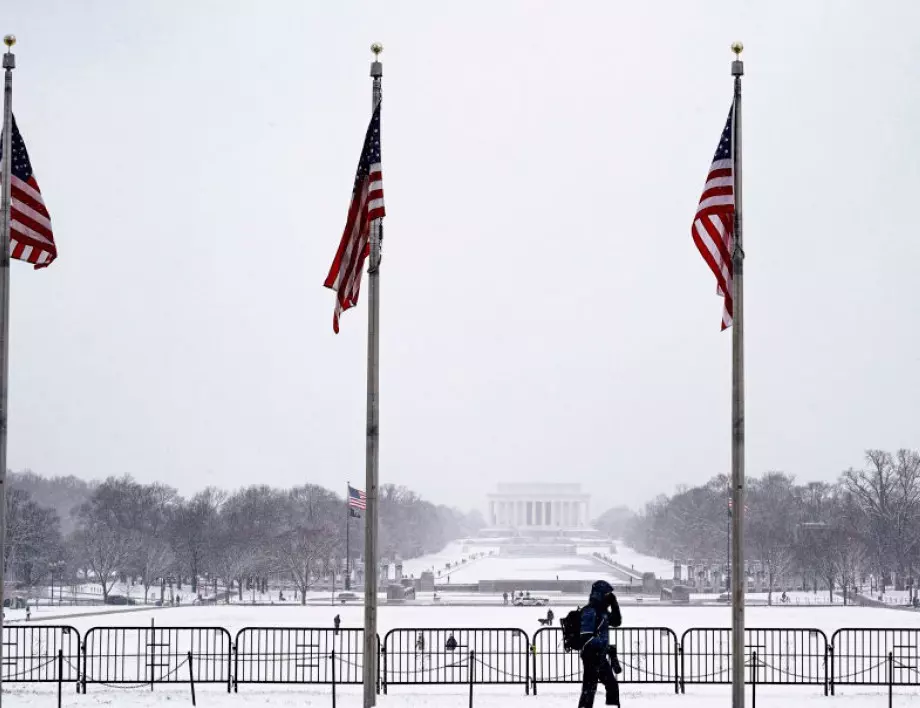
<point>550,696</point>
<point>579,567</point>
<point>576,567</point>
<point>452,553</point>
<point>678,618</point>
<point>646,564</point>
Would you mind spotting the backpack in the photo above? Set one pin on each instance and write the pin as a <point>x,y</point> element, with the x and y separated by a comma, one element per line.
<point>571,630</point>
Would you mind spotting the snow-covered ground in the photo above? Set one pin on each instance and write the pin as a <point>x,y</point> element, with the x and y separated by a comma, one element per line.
<point>53,612</point>
<point>549,696</point>
<point>646,564</point>
<point>678,618</point>
<point>795,597</point>
<point>575,567</point>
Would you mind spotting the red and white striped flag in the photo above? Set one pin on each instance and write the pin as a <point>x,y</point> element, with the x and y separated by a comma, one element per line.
<point>357,499</point>
<point>714,223</point>
<point>366,205</point>
<point>31,238</point>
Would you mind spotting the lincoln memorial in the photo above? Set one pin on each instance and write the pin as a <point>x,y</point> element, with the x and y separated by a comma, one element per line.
<point>538,506</point>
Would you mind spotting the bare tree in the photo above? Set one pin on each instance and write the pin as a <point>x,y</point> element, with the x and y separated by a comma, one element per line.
<point>873,490</point>
<point>105,551</point>
<point>308,535</point>
<point>302,550</point>
<point>33,538</point>
<point>194,530</point>
<point>108,529</point>
<point>249,522</point>
<point>154,559</point>
<point>771,524</point>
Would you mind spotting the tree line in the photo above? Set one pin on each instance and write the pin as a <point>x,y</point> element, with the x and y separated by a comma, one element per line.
<point>832,534</point>
<point>121,528</point>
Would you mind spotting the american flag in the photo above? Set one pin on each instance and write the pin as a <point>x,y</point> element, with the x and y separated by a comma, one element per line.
<point>366,205</point>
<point>714,223</point>
<point>31,239</point>
<point>357,499</point>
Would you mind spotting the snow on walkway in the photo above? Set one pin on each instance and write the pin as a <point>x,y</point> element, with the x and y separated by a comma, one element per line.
<point>549,696</point>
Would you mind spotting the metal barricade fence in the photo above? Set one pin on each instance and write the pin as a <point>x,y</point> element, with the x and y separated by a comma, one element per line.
<point>145,656</point>
<point>299,655</point>
<point>442,656</point>
<point>30,653</point>
<point>861,657</point>
<point>646,654</point>
<point>151,655</point>
<point>783,656</point>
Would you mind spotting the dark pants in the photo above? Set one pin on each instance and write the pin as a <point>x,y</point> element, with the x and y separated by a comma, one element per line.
<point>596,667</point>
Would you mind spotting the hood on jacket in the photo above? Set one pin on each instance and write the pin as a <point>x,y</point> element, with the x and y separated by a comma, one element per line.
<point>599,591</point>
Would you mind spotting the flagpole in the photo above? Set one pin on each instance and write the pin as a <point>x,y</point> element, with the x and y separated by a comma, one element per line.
<point>347,536</point>
<point>9,63</point>
<point>373,432</point>
<point>737,541</point>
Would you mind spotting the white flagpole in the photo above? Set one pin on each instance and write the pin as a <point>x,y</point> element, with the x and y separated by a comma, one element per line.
<point>9,63</point>
<point>373,432</point>
<point>738,575</point>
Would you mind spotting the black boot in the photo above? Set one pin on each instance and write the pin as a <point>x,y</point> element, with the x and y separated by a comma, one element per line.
<point>613,695</point>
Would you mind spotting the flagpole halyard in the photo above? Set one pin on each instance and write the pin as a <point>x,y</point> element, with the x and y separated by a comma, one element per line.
<point>6,169</point>
<point>739,579</point>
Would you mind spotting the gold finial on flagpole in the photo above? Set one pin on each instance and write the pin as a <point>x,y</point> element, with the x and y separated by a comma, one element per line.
<point>376,48</point>
<point>9,40</point>
<point>737,48</point>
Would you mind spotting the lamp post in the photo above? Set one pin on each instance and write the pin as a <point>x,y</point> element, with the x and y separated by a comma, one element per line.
<point>56,567</point>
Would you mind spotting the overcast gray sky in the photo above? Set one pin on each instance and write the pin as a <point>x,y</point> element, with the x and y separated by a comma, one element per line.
<point>545,315</point>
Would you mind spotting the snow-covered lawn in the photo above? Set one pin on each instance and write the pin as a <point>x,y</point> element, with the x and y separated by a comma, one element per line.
<point>663,569</point>
<point>453,553</point>
<point>574,567</point>
<point>549,696</point>
<point>678,618</point>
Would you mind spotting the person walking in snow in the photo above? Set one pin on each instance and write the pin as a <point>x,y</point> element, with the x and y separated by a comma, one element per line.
<point>601,613</point>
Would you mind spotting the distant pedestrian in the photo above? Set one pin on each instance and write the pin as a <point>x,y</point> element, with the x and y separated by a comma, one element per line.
<point>505,597</point>
<point>420,642</point>
<point>337,621</point>
<point>451,643</point>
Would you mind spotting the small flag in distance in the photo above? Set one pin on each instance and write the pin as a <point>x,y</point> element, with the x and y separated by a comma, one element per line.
<point>357,499</point>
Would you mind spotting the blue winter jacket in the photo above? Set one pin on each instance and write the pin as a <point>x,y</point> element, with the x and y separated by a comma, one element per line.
<point>596,618</point>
